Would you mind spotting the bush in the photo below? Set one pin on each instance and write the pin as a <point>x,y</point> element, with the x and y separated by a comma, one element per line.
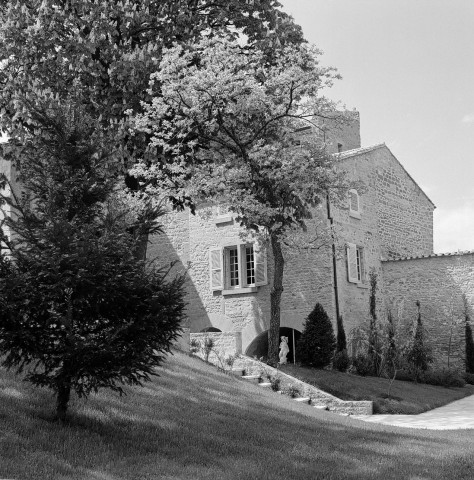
<point>341,361</point>
<point>469,347</point>
<point>275,382</point>
<point>292,391</point>
<point>317,342</point>
<point>469,378</point>
<point>444,378</point>
<point>363,364</point>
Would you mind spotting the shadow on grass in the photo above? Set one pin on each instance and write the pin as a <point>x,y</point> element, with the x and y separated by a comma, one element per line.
<point>195,423</point>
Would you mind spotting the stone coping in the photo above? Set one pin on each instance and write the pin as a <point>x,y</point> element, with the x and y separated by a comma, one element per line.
<point>318,397</point>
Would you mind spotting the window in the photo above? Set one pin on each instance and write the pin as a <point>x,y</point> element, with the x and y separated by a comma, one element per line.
<point>224,215</point>
<point>356,264</point>
<point>354,204</point>
<point>237,266</point>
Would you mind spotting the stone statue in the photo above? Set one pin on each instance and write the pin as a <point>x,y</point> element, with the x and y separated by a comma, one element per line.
<point>283,350</point>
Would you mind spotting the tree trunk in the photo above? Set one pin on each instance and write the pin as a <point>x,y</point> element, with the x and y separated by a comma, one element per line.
<point>62,399</point>
<point>275,300</point>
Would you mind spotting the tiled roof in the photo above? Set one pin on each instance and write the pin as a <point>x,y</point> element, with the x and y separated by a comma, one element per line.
<point>433,255</point>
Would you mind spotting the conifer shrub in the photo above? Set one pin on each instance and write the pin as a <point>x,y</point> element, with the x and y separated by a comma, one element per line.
<point>419,354</point>
<point>317,342</point>
<point>469,347</point>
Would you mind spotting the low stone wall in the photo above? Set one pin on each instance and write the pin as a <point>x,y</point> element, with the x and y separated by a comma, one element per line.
<point>225,345</point>
<point>318,397</point>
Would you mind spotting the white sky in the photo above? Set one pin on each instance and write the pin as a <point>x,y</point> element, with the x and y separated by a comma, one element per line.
<point>408,68</point>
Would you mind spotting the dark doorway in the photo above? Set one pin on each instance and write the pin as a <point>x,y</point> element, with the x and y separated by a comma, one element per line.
<point>259,346</point>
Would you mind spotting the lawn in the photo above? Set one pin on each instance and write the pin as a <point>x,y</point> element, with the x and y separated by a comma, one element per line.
<point>405,397</point>
<point>196,423</point>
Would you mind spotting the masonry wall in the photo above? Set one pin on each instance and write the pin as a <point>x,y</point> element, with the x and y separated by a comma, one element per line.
<point>438,283</point>
<point>404,213</point>
<point>188,238</point>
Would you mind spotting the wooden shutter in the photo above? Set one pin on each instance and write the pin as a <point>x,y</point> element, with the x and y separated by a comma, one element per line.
<point>352,275</point>
<point>260,258</point>
<point>215,267</point>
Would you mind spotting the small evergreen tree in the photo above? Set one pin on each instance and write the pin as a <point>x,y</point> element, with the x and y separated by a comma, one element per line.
<point>391,355</point>
<point>76,306</point>
<point>317,342</point>
<point>374,350</point>
<point>418,355</point>
<point>469,347</point>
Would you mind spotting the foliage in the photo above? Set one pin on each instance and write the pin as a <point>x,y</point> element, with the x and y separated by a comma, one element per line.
<point>374,345</point>
<point>469,347</point>
<point>275,381</point>
<point>444,377</point>
<point>317,342</point>
<point>419,354</point>
<point>469,378</point>
<point>341,361</point>
<point>228,120</point>
<point>391,349</point>
<point>104,52</point>
<point>363,364</point>
<point>292,391</point>
<point>341,343</point>
<point>76,306</point>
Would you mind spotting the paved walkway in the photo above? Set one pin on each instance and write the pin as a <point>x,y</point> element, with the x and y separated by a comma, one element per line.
<point>455,415</point>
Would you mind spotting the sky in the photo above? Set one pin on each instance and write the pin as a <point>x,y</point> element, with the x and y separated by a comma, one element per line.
<point>408,68</point>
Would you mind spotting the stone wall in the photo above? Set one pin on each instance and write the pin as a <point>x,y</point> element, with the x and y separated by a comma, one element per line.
<point>188,238</point>
<point>439,283</point>
<point>225,344</point>
<point>404,214</point>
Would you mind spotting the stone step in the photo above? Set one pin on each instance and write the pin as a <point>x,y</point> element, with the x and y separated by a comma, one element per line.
<point>265,384</point>
<point>302,399</point>
<point>251,378</point>
<point>321,407</point>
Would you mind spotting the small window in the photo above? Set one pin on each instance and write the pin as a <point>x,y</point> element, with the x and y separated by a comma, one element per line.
<point>354,204</point>
<point>356,264</point>
<point>339,147</point>
<point>237,266</point>
<point>224,215</point>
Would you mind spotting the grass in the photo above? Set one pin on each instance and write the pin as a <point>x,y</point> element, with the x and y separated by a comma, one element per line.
<point>196,423</point>
<point>405,397</point>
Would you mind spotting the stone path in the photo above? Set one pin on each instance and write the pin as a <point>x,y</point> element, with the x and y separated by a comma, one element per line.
<point>455,415</point>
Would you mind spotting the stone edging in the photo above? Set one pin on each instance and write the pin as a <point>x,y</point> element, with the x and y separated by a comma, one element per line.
<point>318,397</point>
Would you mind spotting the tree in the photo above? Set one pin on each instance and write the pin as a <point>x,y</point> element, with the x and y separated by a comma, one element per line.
<point>78,311</point>
<point>341,358</point>
<point>418,355</point>
<point>374,347</point>
<point>469,344</point>
<point>228,118</point>
<point>106,50</point>
<point>317,342</point>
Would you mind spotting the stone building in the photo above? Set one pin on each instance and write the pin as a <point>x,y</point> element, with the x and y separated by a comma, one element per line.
<point>385,227</point>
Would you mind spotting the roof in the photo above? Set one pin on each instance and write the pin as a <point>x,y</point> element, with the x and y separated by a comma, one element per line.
<point>432,255</point>
<point>360,151</point>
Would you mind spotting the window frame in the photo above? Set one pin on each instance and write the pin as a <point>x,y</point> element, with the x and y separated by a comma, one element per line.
<point>356,264</point>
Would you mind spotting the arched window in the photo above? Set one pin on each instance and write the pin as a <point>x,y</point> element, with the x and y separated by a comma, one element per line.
<point>354,204</point>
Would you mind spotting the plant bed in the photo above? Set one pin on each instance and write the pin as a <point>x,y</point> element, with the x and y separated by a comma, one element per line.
<point>405,397</point>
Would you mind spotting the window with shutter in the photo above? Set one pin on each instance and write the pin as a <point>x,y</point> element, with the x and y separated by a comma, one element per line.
<point>238,267</point>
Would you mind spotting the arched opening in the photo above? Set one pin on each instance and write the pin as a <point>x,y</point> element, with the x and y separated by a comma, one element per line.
<point>210,329</point>
<point>259,346</point>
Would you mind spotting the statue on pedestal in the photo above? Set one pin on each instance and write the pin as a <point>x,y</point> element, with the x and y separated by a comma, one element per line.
<point>284,350</point>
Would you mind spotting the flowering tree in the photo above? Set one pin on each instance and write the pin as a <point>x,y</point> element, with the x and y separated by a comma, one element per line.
<point>227,118</point>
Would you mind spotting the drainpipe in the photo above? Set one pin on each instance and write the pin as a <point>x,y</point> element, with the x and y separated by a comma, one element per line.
<point>334,263</point>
